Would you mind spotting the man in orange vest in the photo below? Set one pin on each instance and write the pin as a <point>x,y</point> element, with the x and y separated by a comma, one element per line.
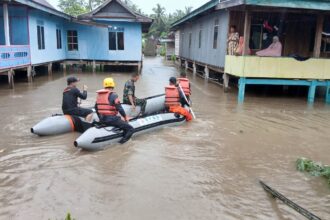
<point>108,106</point>
<point>174,100</point>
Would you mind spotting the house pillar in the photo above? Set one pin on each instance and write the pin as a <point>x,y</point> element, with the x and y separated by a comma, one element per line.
<point>247,31</point>
<point>139,67</point>
<point>29,73</point>
<point>186,65</point>
<point>225,78</point>
<point>207,72</point>
<point>11,74</point>
<point>194,68</point>
<point>50,68</point>
<point>6,24</point>
<point>318,35</point>
<point>94,66</point>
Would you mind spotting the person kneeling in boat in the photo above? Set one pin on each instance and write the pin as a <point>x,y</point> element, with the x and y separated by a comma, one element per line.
<point>107,107</point>
<point>175,100</point>
<point>129,97</point>
<point>70,100</point>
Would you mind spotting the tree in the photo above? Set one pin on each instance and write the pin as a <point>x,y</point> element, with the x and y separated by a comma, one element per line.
<point>73,7</point>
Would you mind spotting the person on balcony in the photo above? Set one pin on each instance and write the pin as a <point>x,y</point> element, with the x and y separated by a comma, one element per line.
<point>274,50</point>
<point>240,48</point>
<point>232,41</point>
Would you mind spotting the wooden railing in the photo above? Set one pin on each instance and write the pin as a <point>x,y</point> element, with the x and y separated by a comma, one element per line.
<point>14,56</point>
<point>277,67</point>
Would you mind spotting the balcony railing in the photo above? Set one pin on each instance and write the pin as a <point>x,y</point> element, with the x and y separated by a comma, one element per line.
<point>277,67</point>
<point>14,56</point>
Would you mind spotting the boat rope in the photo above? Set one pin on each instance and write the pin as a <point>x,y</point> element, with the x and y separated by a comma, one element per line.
<point>288,202</point>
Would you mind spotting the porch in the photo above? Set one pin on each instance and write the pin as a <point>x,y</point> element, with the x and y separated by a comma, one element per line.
<point>14,40</point>
<point>305,48</point>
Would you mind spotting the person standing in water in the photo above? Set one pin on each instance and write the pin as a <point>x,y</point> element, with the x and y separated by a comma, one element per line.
<point>129,94</point>
<point>70,100</point>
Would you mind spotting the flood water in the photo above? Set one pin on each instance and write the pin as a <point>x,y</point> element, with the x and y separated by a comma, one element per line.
<point>206,169</point>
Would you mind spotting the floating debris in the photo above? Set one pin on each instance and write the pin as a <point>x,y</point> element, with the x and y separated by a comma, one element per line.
<point>313,168</point>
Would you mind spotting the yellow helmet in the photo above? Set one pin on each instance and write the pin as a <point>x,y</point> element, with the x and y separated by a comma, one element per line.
<point>108,82</point>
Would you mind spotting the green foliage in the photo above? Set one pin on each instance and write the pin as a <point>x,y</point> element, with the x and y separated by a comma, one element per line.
<point>68,217</point>
<point>73,7</point>
<point>173,58</point>
<point>162,51</point>
<point>313,168</point>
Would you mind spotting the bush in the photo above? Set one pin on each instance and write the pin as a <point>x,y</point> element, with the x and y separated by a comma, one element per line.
<point>313,168</point>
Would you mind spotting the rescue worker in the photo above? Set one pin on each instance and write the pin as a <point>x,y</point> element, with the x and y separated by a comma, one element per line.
<point>184,82</point>
<point>175,101</point>
<point>107,107</point>
<point>129,94</point>
<point>70,100</point>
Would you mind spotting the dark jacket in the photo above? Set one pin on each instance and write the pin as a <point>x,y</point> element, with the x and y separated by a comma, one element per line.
<point>70,98</point>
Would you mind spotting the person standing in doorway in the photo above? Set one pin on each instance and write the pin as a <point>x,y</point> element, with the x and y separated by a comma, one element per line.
<point>232,41</point>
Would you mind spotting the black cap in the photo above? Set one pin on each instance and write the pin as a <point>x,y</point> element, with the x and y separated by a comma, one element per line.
<point>72,79</point>
<point>173,80</point>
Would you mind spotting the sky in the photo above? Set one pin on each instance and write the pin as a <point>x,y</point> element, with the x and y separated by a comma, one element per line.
<point>147,5</point>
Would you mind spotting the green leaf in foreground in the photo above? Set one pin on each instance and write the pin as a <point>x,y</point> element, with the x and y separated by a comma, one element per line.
<point>313,168</point>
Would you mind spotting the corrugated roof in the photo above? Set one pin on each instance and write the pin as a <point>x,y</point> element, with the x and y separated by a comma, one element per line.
<point>323,5</point>
<point>209,5</point>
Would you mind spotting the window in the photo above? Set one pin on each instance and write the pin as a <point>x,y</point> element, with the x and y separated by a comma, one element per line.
<point>256,37</point>
<point>190,38</point>
<point>72,40</point>
<point>116,40</point>
<point>215,34</point>
<point>58,38</point>
<point>41,36</point>
<point>325,46</point>
<point>200,39</point>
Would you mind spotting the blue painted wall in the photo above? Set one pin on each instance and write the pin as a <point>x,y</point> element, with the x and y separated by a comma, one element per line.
<point>50,22</point>
<point>94,42</point>
<point>2,30</point>
<point>17,25</point>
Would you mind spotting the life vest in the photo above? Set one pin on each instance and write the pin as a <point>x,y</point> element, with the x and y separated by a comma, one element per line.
<point>185,84</point>
<point>104,107</point>
<point>172,96</point>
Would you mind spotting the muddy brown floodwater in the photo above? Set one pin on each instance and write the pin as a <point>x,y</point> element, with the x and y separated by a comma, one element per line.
<point>207,169</point>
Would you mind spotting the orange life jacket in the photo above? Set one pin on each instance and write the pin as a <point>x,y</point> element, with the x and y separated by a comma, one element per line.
<point>185,84</point>
<point>172,96</point>
<point>103,105</point>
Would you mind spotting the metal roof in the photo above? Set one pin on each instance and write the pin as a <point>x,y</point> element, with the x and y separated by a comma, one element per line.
<point>323,5</point>
<point>209,5</point>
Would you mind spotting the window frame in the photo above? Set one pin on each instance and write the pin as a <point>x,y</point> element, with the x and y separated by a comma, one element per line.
<point>72,38</point>
<point>216,33</point>
<point>117,45</point>
<point>200,38</point>
<point>58,38</point>
<point>190,39</point>
<point>41,36</point>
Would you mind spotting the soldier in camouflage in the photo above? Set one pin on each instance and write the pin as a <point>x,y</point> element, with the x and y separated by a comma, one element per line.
<point>129,94</point>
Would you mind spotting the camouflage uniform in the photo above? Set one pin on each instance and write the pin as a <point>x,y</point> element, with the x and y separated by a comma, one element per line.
<point>129,89</point>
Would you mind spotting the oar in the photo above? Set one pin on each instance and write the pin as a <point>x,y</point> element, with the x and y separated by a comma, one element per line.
<point>185,97</point>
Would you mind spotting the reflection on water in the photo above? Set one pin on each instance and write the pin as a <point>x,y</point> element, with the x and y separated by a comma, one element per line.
<point>207,169</point>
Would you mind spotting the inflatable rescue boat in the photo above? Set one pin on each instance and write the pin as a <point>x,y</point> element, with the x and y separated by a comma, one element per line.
<point>97,138</point>
<point>60,124</point>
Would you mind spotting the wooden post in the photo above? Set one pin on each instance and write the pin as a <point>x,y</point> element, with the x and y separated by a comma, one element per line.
<point>318,35</point>
<point>207,72</point>
<point>194,68</point>
<point>50,68</point>
<point>247,31</point>
<point>94,66</point>
<point>186,65</point>
<point>241,90</point>
<point>139,67</point>
<point>6,24</point>
<point>64,66</point>
<point>225,78</point>
<point>29,73</point>
<point>11,78</point>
